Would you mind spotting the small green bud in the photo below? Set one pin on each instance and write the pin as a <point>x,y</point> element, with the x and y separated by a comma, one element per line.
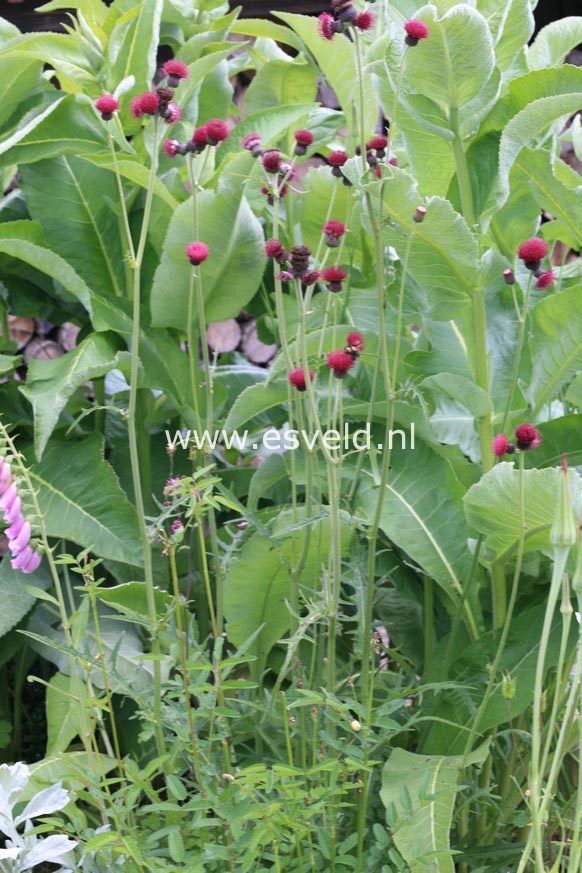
<point>566,605</point>
<point>563,533</point>
<point>508,686</point>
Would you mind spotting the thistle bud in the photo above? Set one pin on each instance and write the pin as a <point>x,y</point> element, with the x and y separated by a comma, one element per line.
<point>563,533</point>
<point>508,686</point>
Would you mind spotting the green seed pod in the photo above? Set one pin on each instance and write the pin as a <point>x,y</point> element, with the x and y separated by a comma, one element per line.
<point>563,533</point>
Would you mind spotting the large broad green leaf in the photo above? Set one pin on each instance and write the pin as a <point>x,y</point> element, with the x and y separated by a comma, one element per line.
<point>92,242</point>
<point>493,508</point>
<point>16,599</point>
<point>271,125</point>
<point>230,276</point>
<point>21,240</point>
<point>15,89</point>
<point>81,501</point>
<point>62,714</point>
<point>59,51</point>
<point>133,45</point>
<point>280,83</point>
<point>337,62</point>
<point>444,253</point>
<point>454,67</point>
<point>553,43</point>
<point>550,192</point>
<point>419,792</point>
<point>132,169</point>
<point>470,671</point>
<point>459,404</point>
<point>511,25</point>
<point>528,124</point>
<point>50,384</point>
<point>422,513</point>
<point>555,344</point>
<point>254,400</point>
<point>267,29</point>
<point>258,581</point>
<point>69,126</point>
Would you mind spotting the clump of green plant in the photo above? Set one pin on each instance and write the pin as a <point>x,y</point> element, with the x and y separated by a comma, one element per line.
<point>297,647</point>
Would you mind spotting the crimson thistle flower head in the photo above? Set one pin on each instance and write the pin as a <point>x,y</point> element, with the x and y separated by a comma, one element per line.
<point>333,277</point>
<point>545,280</point>
<point>378,143</point>
<point>364,21</point>
<point>146,104</point>
<point>200,138</point>
<point>419,214</point>
<point>326,26</point>
<point>271,160</point>
<point>217,131</point>
<point>340,362</point>
<point>106,105</point>
<point>172,113</point>
<point>175,71</point>
<point>172,148</point>
<point>197,253</point>
<point>501,446</point>
<point>274,248</point>
<point>333,230</point>
<point>355,342</point>
<point>310,277</point>
<point>298,380</point>
<point>532,251</point>
<point>509,277</point>
<point>415,30</point>
<point>303,139</point>
<point>252,143</point>
<point>527,437</point>
<point>337,158</point>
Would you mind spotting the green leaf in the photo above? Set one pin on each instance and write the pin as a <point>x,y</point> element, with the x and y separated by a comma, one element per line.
<point>133,45</point>
<point>16,598</point>
<point>420,792</point>
<point>511,25</point>
<point>61,53</point>
<point>444,253</point>
<point>50,384</point>
<point>553,43</point>
<point>549,192</point>
<point>8,363</point>
<point>19,239</point>
<point>258,582</point>
<point>454,66</point>
<point>131,599</point>
<point>470,671</point>
<point>271,125</point>
<point>92,243</point>
<point>492,507</point>
<point>267,29</point>
<point>426,522</point>
<point>253,401</point>
<point>555,344</point>
<point>230,276</point>
<point>525,126</point>
<point>81,501</point>
<point>62,714</point>
<point>133,170</point>
<point>280,83</point>
<point>337,62</point>
<point>14,90</point>
<point>68,126</point>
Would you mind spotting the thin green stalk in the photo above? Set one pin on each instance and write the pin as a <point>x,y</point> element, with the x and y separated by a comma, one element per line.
<point>518,352</point>
<point>428,620</point>
<point>480,363</point>
<point>184,666</point>
<point>576,852</point>
<point>560,559</point>
<point>209,392</point>
<point>132,427</point>
<point>508,616</point>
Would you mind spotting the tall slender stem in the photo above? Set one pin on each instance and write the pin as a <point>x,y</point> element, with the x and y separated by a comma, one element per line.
<point>132,427</point>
